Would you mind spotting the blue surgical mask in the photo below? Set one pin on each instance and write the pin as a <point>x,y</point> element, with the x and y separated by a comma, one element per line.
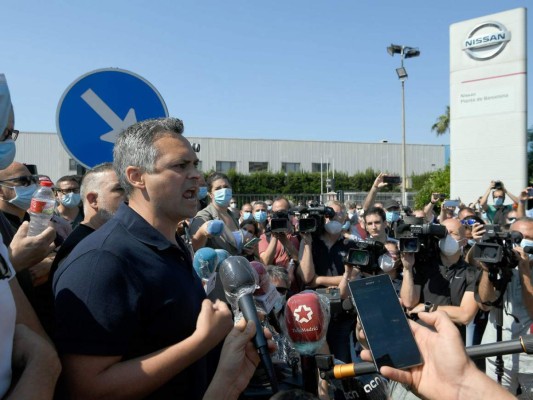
<point>71,200</point>
<point>393,216</point>
<point>223,196</point>
<point>346,225</point>
<point>527,242</point>
<point>7,153</point>
<point>260,216</point>
<point>23,196</point>
<point>246,216</point>
<point>202,192</point>
<point>498,201</point>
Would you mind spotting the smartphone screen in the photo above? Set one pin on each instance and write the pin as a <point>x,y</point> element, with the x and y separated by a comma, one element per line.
<point>392,179</point>
<point>251,242</point>
<point>451,203</point>
<point>385,325</point>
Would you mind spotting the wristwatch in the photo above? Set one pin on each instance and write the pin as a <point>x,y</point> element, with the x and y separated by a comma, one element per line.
<point>428,306</point>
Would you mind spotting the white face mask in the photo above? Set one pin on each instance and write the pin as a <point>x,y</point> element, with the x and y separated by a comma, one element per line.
<point>333,227</point>
<point>449,246</point>
<point>386,263</point>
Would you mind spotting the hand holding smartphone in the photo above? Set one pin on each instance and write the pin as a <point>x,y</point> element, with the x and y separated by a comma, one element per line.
<point>389,337</point>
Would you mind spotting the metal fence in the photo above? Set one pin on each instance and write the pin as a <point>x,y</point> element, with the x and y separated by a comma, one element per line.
<point>303,198</point>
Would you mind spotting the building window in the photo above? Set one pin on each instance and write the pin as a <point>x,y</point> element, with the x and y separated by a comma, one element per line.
<point>72,165</point>
<point>257,167</point>
<point>225,166</point>
<point>290,167</point>
<point>315,167</point>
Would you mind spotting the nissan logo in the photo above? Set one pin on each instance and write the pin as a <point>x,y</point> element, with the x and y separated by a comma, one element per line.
<point>486,41</point>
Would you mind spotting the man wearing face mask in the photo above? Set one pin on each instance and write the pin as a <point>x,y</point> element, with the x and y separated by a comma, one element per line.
<point>446,283</point>
<point>516,305</point>
<point>260,214</point>
<point>69,205</point>
<point>392,214</point>
<point>495,213</point>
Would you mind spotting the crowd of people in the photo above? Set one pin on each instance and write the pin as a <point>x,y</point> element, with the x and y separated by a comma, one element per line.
<point>105,302</point>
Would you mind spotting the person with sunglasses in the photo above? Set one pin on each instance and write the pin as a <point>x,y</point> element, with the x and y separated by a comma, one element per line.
<point>69,206</point>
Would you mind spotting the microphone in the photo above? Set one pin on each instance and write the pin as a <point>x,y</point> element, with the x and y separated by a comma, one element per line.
<point>524,344</point>
<point>306,322</point>
<point>239,280</point>
<point>204,263</point>
<point>222,255</point>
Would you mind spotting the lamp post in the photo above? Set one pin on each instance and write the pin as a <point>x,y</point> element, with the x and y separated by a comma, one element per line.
<point>404,52</point>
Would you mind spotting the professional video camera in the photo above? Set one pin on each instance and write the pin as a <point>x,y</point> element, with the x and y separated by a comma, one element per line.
<point>496,249</point>
<point>364,255</point>
<point>416,237</point>
<point>314,218</point>
<point>280,222</point>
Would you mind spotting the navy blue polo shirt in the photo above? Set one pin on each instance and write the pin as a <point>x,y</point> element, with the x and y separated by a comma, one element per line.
<point>127,291</point>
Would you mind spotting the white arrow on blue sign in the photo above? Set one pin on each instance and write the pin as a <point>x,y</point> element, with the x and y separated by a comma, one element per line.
<point>97,106</point>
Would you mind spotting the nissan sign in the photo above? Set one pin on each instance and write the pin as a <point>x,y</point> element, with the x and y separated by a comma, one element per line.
<point>486,41</point>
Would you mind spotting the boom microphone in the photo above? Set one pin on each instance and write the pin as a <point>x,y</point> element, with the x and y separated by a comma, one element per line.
<point>524,344</point>
<point>239,282</point>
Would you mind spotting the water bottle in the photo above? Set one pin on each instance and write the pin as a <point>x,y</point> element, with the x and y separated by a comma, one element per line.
<point>42,208</point>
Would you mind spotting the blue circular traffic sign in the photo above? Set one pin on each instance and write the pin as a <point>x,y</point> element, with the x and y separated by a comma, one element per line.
<point>99,105</point>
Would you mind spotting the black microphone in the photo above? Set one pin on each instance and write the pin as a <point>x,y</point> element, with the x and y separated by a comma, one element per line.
<point>524,344</point>
<point>239,282</point>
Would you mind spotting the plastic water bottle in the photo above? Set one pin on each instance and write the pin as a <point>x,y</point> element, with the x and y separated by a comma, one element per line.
<point>42,208</point>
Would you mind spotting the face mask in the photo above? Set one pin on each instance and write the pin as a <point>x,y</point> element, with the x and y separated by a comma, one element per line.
<point>471,242</point>
<point>498,202</point>
<point>280,303</point>
<point>386,263</point>
<point>269,208</point>
<point>527,242</point>
<point>448,246</point>
<point>202,192</point>
<point>350,215</point>
<point>233,205</point>
<point>333,227</point>
<point>346,225</point>
<point>360,212</point>
<point>246,216</point>
<point>71,200</point>
<point>7,153</point>
<point>260,216</point>
<point>23,196</point>
<point>223,196</point>
<point>393,216</point>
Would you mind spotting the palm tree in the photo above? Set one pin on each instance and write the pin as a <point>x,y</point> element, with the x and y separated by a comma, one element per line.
<point>443,123</point>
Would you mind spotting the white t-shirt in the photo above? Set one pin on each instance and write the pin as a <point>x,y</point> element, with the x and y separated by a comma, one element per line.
<point>7,324</point>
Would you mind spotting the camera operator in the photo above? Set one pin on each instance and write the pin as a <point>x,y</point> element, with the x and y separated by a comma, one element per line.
<point>322,264</point>
<point>445,282</point>
<point>517,308</point>
<point>495,212</point>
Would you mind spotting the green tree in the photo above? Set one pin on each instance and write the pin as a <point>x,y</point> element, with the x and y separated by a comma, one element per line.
<point>443,123</point>
<point>437,182</point>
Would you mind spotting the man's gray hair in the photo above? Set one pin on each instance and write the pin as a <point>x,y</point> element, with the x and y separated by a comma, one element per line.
<point>279,273</point>
<point>91,182</point>
<point>135,147</point>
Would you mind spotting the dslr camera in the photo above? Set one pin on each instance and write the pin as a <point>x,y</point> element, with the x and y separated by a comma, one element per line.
<point>314,217</point>
<point>364,255</point>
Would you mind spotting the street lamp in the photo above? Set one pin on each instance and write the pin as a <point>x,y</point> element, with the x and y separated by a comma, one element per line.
<point>404,52</point>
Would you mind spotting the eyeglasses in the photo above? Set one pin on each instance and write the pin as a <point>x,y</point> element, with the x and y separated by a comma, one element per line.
<point>468,221</point>
<point>22,180</point>
<point>67,191</point>
<point>282,290</point>
<point>9,133</point>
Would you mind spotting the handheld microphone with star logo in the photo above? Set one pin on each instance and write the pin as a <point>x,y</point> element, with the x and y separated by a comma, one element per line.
<point>306,321</point>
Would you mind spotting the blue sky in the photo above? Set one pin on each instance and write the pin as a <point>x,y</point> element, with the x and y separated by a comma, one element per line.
<point>292,69</point>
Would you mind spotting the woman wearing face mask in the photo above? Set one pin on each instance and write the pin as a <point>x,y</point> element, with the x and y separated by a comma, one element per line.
<point>227,236</point>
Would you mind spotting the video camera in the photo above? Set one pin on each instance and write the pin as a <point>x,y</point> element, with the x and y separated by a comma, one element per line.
<point>496,248</point>
<point>365,254</point>
<point>416,237</point>
<point>280,222</point>
<point>314,216</point>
